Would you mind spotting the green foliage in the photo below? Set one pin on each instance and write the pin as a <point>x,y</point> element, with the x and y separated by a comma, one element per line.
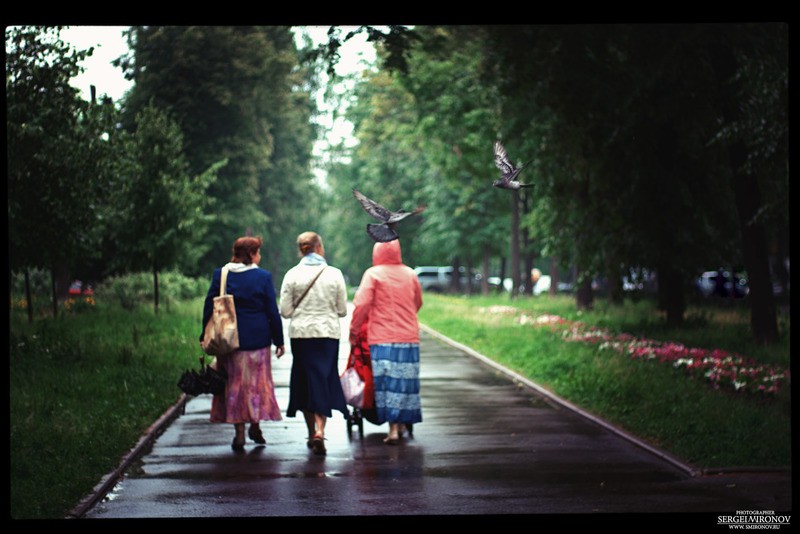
<point>38,280</point>
<point>387,166</point>
<point>135,289</point>
<point>57,150</point>
<point>395,40</point>
<point>627,134</point>
<point>237,93</point>
<point>160,205</point>
<point>422,140</point>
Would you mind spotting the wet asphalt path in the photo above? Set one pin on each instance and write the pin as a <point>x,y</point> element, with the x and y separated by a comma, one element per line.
<point>488,445</point>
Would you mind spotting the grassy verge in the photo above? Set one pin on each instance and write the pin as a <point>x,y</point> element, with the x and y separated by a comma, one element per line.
<point>84,388</point>
<point>685,415</point>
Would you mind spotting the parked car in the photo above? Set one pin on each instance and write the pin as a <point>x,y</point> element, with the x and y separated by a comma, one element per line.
<point>722,283</point>
<point>434,279</point>
<point>439,278</point>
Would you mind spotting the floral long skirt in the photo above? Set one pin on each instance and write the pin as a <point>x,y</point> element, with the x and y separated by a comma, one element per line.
<point>250,392</point>
<point>395,372</point>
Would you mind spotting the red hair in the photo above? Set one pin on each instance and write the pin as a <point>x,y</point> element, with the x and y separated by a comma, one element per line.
<point>245,248</point>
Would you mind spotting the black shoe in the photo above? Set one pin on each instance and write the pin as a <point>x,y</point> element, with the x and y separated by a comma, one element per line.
<point>237,445</point>
<point>256,435</point>
<point>318,446</point>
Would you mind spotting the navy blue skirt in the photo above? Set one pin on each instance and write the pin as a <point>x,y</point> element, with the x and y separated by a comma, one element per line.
<point>315,385</point>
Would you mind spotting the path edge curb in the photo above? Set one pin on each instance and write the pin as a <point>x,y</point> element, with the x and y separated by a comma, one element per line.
<point>108,482</point>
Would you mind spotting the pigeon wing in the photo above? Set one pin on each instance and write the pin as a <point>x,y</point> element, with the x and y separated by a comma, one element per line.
<point>381,233</point>
<point>372,207</point>
<point>502,161</point>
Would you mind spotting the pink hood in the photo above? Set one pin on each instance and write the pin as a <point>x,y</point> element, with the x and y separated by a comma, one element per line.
<point>387,299</point>
<point>387,253</point>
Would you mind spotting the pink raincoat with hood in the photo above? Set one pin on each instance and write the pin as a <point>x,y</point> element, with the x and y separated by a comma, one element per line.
<point>387,299</point>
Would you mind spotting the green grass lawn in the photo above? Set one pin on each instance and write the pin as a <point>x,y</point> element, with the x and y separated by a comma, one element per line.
<point>687,416</point>
<point>84,388</point>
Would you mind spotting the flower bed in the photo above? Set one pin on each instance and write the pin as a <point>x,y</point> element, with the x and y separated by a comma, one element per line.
<point>721,369</point>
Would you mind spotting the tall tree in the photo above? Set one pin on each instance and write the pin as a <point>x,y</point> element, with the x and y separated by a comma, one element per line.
<point>459,122</point>
<point>387,166</point>
<point>237,94</point>
<point>740,50</point>
<point>634,107</point>
<point>650,143</point>
<point>160,205</point>
<point>54,148</point>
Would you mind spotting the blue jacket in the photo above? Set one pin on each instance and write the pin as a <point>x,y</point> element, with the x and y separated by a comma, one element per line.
<point>257,314</point>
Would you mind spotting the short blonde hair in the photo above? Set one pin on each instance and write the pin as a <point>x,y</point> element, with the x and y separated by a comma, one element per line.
<point>307,242</point>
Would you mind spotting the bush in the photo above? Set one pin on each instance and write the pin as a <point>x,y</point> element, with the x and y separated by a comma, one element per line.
<point>179,287</point>
<point>133,289</point>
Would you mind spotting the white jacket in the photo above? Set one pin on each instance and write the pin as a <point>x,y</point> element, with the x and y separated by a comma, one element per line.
<point>317,316</point>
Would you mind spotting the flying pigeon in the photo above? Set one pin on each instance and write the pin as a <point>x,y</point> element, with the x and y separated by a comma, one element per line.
<point>384,232</point>
<point>508,172</point>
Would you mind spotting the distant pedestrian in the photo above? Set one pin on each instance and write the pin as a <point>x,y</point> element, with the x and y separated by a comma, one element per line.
<point>250,392</point>
<point>314,296</point>
<point>388,299</point>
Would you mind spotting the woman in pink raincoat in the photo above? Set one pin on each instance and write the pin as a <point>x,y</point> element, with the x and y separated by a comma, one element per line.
<point>388,299</point>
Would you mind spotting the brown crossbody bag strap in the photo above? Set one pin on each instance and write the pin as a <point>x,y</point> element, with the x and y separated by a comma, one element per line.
<point>296,303</point>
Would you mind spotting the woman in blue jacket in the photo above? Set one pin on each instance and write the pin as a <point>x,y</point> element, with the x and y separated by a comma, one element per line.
<point>249,393</point>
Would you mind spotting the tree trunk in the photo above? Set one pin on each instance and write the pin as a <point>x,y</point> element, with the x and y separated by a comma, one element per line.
<point>671,294</point>
<point>616,295</point>
<point>526,246</point>
<point>469,277</point>
<point>515,258</point>
<point>54,292</point>
<point>554,276</point>
<point>763,315</point>
<point>455,280</point>
<point>28,297</point>
<point>529,258</point>
<point>584,296</point>
<point>779,255</point>
<point>502,275</point>
<point>747,194</point>
<point>485,270</point>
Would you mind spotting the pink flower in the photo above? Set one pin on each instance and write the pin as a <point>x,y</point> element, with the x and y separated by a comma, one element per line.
<point>719,367</point>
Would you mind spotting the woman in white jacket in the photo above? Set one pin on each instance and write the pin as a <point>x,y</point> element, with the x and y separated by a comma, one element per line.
<point>314,297</point>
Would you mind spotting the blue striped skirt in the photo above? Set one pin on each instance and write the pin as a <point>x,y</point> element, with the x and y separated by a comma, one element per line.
<point>395,370</point>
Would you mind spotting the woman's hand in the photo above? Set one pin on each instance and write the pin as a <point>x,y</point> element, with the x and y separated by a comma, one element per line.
<point>279,351</point>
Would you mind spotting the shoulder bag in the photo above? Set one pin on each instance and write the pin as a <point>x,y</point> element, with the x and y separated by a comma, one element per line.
<point>221,335</point>
<point>297,302</point>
